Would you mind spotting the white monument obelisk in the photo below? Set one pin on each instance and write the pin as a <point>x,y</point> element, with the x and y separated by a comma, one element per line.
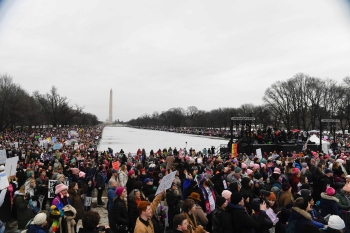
<point>110,118</point>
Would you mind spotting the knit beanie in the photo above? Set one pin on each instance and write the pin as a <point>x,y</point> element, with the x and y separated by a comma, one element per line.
<point>119,191</point>
<point>201,178</point>
<point>131,172</point>
<point>330,191</point>
<point>238,170</point>
<point>236,198</point>
<point>226,194</point>
<point>59,176</point>
<point>272,197</point>
<point>81,174</point>
<point>59,188</point>
<point>257,176</point>
<point>335,222</point>
<point>39,219</point>
<point>285,187</point>
<point>277,170</point>
<point>29,173</point>
<point>220,201</point>
<point>249,172</point>
<point>243,165</point>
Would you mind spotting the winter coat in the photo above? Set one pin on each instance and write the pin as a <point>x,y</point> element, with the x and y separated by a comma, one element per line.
<point>130,184</point>
<point>221,220</point>
<point>123,178</point>
<point>193,226</point>
<point>36,229</point>
<point>343,201</point>
<point>201,216</point>
<point>172,200</point>
<point>267,223</point>
<point>148,189</point>
<point>110,195</point>
<point>76,201</point>
<point>39,184</point>
<point>120,214</point>
<point>5,208</point>
<point>285,199</point>
<point>24,212</point>
<point>140,227</point>
<point>242,222</point>
<point>300,217</point>
<point>328,205</point>
<point>100,183</point>
<point>81,230</point>
<point>133,212</point>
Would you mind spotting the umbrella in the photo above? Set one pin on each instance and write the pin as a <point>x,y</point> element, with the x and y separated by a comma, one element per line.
<point>295,130</point>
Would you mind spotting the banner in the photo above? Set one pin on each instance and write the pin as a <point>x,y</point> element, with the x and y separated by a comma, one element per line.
<point>3,156</point>
<point>166,182</point>
<point>234,150</point>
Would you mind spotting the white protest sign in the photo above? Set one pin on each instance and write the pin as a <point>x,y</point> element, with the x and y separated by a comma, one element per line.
<point>11,166</point>
<point>166,182</point>
<point>4,183</point>
<point>3,156</point>
<point>88,201</point>
<point>16,145</point>
<point>258,153</point>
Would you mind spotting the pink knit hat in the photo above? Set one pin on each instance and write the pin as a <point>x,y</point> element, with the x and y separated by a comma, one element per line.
<point>60,188</point>
<point>226,194</point>
<point>256,166</point>
<point>75,171</point>
<point>262,165</point>
<point>249,171</point>
<point>330,191</point>
<point>277,170</point>
<point>81,174</point>
<point>251,165</point>
<point>295,170</point>
<point>243,165</point>
<point>119,191</point>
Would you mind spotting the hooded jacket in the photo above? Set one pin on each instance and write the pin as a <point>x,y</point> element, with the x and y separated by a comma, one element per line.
<point>301,217</point>
<point>329,205</point>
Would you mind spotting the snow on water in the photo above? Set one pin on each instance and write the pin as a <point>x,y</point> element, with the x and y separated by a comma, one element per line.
<point>130,139</point>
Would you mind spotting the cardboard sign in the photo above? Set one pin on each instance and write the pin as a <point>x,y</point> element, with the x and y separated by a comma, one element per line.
<point>166,182</point>
<point>4,183</point>
<point>258,153</point>
<point>11,166</point>
<point>3,156</point>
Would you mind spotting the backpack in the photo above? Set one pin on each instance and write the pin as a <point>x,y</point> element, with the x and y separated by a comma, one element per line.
<point>291,227</point>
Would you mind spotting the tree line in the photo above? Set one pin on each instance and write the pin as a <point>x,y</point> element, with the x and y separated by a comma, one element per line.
<point>299,102</point>
<point>18,108</point>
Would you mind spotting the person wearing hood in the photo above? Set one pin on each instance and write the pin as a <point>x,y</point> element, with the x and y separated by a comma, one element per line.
<point>328,203</point>
<point>241,220</point>
<point>300,215</point>
<point>335,225</point>
<point>24,211</point>
<point>38,224</point>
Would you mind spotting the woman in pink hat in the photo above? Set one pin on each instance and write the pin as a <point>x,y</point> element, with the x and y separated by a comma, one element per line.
<point>329,203</point>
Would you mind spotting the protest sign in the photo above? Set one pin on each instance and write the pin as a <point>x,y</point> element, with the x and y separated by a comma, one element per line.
<point>88,201</point>
<point>11,166</point>
<point>258,153</point>
<point>51,190</point>
<point>166,182</point>
<point>4,183</point>
<point>16,145</point>
<point>57,146</point>
<point>3,156</point>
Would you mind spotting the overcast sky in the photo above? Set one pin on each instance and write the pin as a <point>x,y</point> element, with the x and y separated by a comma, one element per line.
<point>156,55</point>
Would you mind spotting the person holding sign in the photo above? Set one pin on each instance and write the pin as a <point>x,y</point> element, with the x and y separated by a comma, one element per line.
<point>146,210</point>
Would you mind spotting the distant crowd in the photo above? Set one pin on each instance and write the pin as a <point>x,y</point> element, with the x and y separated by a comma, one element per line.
<point>279,192</point>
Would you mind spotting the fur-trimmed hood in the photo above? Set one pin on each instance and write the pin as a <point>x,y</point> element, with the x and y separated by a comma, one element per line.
<point>330,198</point>
<point>302,213</point>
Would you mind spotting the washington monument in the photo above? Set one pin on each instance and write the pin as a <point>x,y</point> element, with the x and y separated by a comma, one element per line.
<point>110,118</point>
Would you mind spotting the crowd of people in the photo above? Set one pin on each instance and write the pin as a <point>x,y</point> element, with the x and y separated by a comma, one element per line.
<point>279,192</point>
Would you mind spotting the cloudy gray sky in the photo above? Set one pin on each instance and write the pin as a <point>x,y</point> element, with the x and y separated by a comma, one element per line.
<point>161,54</point>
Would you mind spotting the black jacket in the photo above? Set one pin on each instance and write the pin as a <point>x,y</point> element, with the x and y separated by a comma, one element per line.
<point>267,223</point>
<point>243,223</point>
<point>120,215</point>
<point>100,183</point>
<point>133,213</point>
<point>221,221</point>
<point>172,200</point>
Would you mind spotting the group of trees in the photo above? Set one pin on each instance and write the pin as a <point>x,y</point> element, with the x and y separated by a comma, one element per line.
<point>299,102</point>
<point>19,108</point>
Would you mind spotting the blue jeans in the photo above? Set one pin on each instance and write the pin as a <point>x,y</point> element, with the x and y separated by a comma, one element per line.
<point>2,229</point>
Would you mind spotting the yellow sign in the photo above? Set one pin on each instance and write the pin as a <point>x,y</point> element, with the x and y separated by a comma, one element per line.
<point>234,150</point>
